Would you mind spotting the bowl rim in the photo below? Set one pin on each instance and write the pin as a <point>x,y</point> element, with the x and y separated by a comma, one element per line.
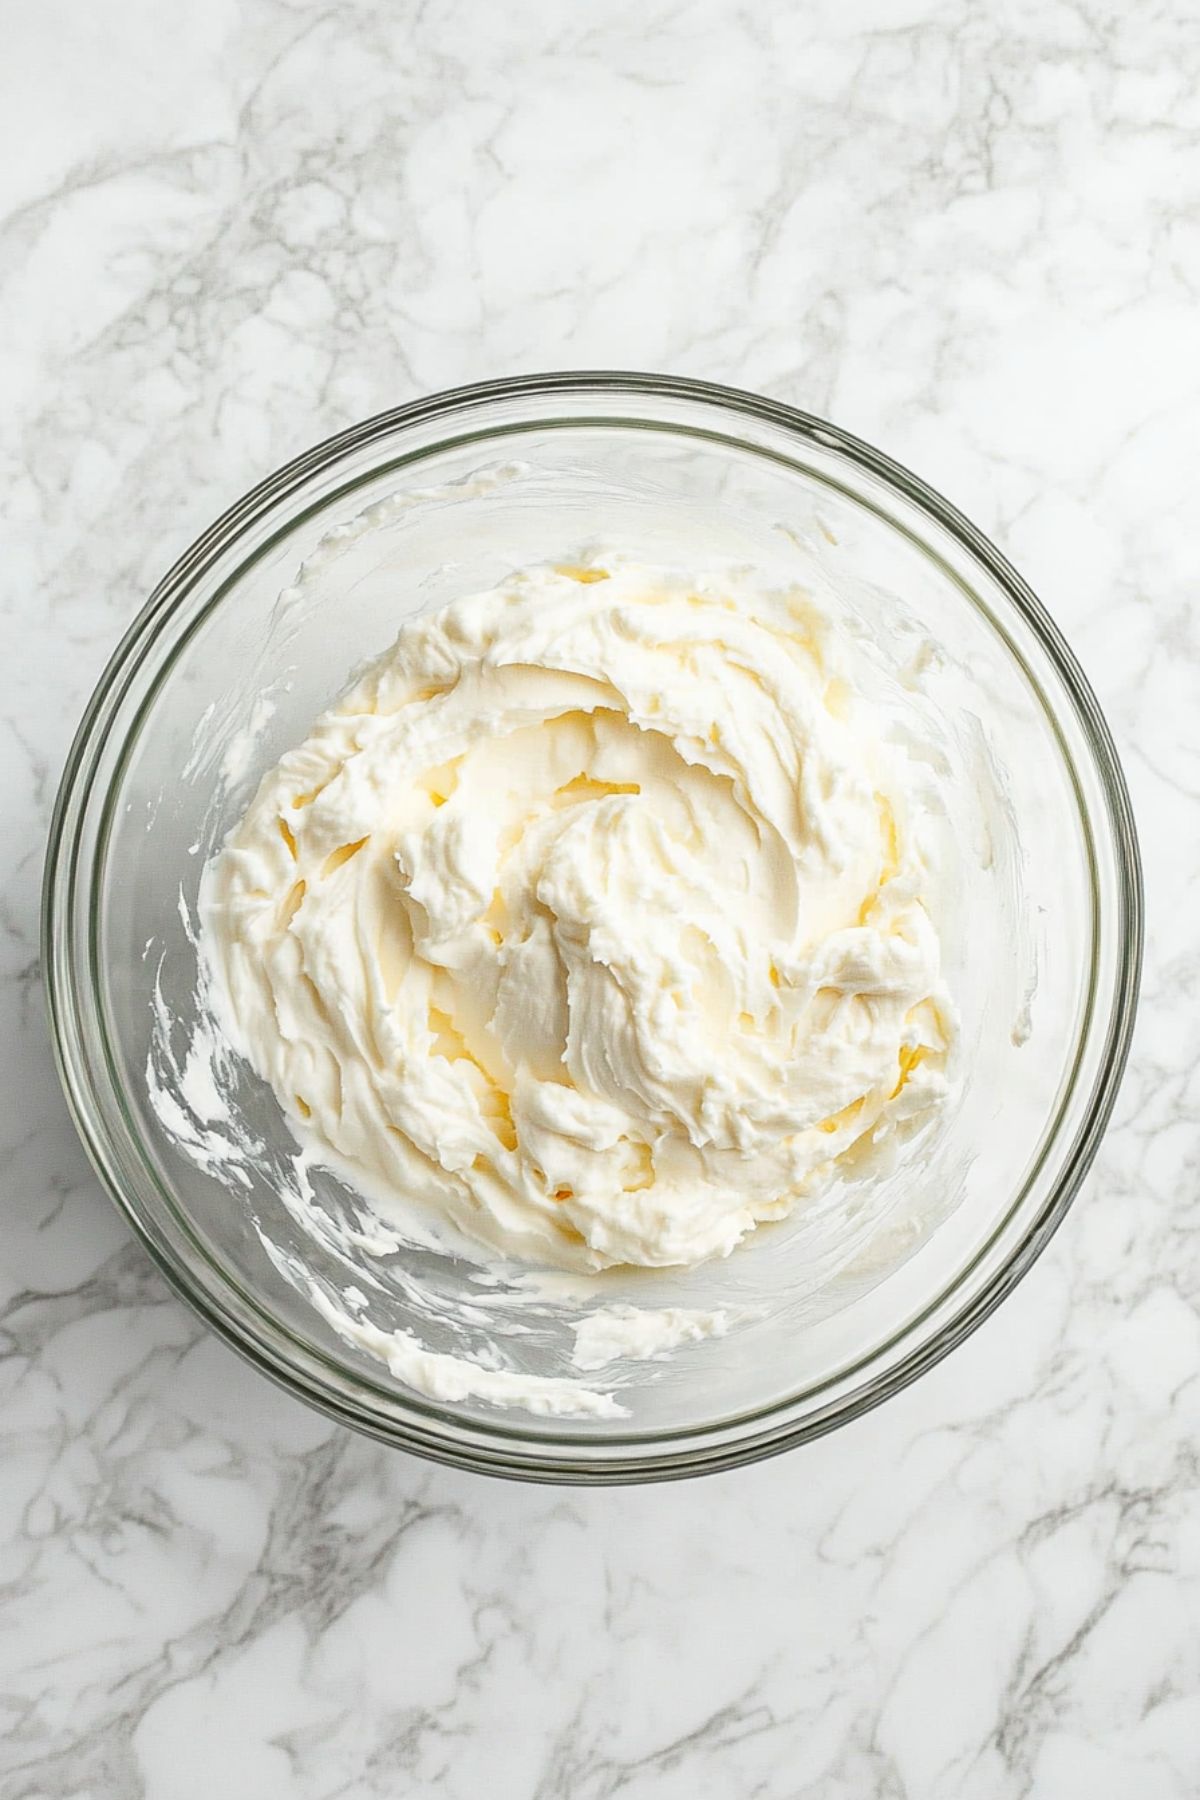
<point>539,1455</point>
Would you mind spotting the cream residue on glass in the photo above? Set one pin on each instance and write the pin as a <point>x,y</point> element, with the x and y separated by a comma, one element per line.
<point>588,927</point>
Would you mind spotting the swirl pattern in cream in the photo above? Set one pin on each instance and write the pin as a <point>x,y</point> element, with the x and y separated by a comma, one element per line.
<point>590,920</point>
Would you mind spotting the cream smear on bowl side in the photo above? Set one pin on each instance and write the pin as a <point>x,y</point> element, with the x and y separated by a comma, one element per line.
<point>590,925</point>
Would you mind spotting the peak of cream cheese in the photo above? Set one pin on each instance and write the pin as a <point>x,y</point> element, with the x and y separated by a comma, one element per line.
<point>589,920</point>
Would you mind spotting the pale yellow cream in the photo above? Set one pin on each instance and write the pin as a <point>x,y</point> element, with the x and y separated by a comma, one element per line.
<point>589,922</point>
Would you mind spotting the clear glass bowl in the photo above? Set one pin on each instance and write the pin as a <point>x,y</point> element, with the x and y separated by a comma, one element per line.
<point>259,625</point>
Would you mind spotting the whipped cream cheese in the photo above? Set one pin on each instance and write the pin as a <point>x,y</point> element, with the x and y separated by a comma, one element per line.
<point>589,924</point>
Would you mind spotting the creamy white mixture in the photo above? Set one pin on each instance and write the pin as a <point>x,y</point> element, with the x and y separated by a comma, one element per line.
<point>589,924</point>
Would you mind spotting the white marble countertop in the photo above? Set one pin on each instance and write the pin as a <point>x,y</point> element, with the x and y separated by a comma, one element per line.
<point>968,234</point>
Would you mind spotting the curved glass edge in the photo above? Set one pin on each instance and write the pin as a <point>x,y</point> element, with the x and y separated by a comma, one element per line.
<point>261,1319</point>
<point>600,1460</point>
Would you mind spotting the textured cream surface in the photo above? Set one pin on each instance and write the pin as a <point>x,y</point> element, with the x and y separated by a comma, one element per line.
<point>589,920</point>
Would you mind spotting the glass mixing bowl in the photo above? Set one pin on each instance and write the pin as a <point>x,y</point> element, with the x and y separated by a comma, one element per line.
<point>259,625</point>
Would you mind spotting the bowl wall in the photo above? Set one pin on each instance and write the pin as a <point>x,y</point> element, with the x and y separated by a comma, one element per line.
<point>262,623</point>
